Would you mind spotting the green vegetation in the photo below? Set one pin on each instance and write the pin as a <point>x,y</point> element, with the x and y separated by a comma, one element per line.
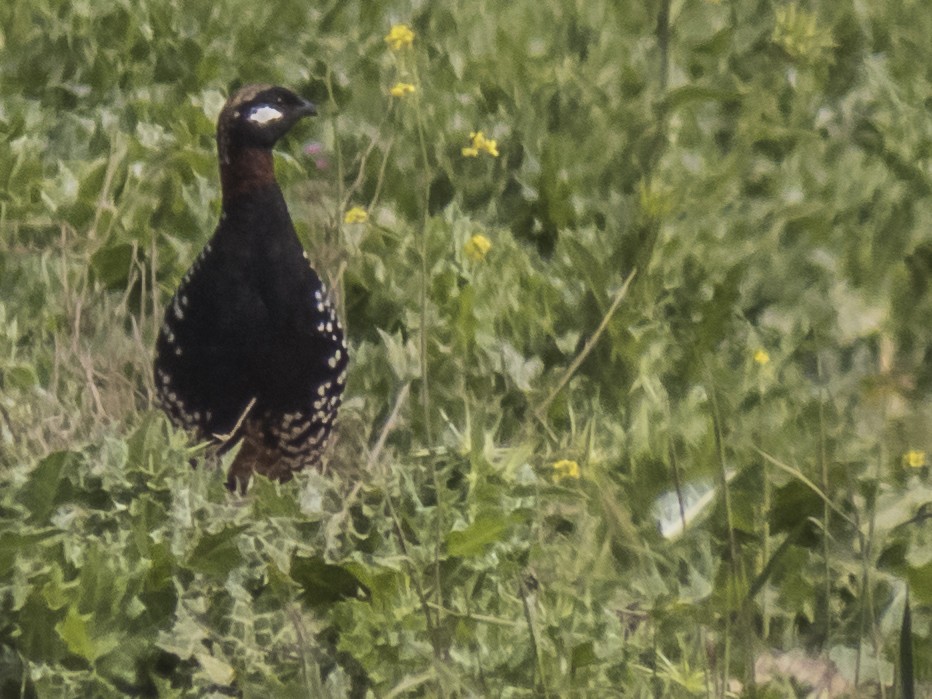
<point>706,244</point>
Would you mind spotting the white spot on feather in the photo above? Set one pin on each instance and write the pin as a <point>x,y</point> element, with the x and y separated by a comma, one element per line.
<point>264,114</point>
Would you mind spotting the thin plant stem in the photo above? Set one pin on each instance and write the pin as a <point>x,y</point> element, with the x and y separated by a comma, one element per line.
<point>732,544</point>
<point>311,676</point>
<point>826,513</point>
<point>422,300</point>
<point>424,330</point>
<point>380,180</point>
<point>418,589</point>
<point>868,611</point>
<point>765,511</point>
<point>338,151</point>
<point>587,348</point>
<point>532,631</point>
<point>675,470</point>
<point>363,160</point>
<point>482,618</point>
<point>796,473</point>
<point>389,425</point>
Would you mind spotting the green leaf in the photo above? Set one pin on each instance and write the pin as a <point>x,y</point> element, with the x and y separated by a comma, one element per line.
<point>583,655</point>
<point>57,592</point>
<point>20,376</point>
<point>217,554</point>
<point>920,583</point>
<point>402,356</point>
<point>41,490</point>
<point>111,265</point>
<point>485,530</point>
<point>74,631</point>
<point>13,544</point>
<point>698,93</point>
<point>217,671</point>
<point>270,499</point>
<point>37,624</point>
<point>323,583</point>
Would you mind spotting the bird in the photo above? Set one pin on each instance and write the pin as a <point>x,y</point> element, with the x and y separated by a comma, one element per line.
<point>251,350</point>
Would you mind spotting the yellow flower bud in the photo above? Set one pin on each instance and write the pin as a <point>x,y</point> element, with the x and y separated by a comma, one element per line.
<point>399,36</point>
<point>401,89</point>
<point>477,247</point>
<point>565,468</point>
<point>356,215</point>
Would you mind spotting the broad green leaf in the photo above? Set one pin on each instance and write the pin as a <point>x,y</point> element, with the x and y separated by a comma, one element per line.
<point>75,631</point>
<point>323,583</point>
<point>41,491</point>
<point>920,583</point>
<point>25,543</point>
<point>20,376</point>
<point>38,640</point>
<point>111,265</point>
<point>484,530</point>
<point>584,654</point>
<point>217,671</point>
<point>217,554</point>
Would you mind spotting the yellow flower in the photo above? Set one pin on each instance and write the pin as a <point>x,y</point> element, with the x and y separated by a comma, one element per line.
<point>761,357</point>
<point>477,247</point>
<point>401,89</point>
<point>914,458</point>
<point>399,36</point>
<point>356,215</point>
<point>480,143</point>
<point>801,35</point>
<point>564,468</point>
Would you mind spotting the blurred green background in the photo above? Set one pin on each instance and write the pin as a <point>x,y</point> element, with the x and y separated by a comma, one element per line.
<point>661,430</point>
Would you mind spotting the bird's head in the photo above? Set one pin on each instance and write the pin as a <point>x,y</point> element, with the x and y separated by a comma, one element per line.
<point>256,116</point>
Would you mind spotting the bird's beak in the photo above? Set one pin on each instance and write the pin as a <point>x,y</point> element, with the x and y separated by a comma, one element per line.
<point>306,108</point>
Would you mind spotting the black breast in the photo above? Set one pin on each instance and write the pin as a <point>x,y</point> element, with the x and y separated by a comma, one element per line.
<point>251,342</point>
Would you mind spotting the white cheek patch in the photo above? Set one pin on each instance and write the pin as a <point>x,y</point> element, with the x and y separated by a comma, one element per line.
<point>264,115</point>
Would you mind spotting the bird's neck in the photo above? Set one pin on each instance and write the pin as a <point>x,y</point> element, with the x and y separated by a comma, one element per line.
<point>245,170</point>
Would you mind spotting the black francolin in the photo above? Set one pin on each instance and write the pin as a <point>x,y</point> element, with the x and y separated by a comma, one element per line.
<point>251,348</point>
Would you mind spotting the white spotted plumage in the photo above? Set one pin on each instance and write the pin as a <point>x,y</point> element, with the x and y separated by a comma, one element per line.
<point>211,372</point>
